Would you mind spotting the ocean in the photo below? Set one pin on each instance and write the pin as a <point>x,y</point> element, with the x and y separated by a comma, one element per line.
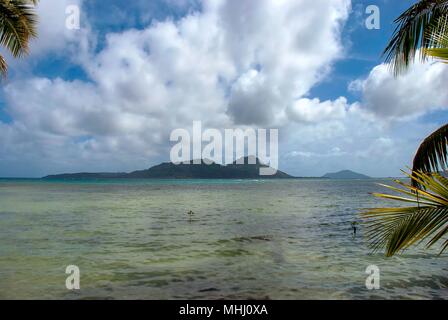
<point>133,239</point>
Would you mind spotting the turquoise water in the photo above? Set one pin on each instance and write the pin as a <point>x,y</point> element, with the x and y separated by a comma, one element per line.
<point>247,240</point>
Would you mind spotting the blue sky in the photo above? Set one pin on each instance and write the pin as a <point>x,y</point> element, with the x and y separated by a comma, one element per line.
<point>363,47</point>
<point>106,97</point>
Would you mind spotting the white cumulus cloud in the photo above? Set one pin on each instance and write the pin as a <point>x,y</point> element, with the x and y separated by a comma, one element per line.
<point>421,89</point>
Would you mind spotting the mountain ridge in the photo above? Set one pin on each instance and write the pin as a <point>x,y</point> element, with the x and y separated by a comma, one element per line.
<point>345,175</point>
<point>169,170</point>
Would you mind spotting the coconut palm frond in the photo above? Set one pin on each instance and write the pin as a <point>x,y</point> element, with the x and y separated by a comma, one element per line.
<point>412,33</point>
<point>437,33</point>
<point>18,23</point>
<point>396,229</point>
<point>432,153</point>
<point>438,40</point>
<point>438,53</point>
<point>3,66</point>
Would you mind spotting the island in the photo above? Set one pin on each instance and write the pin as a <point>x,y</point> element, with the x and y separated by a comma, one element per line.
<point>169,170</point>
<point>345,175</point>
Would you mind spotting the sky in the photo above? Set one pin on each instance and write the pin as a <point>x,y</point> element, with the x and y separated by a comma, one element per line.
<point>106,96</point>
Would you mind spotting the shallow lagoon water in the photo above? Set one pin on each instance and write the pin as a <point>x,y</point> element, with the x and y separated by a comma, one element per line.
<point>279,239</point>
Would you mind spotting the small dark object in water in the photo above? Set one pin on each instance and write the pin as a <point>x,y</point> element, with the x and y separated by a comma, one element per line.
<point>190,215</point>
<point>209,290</point>
<point>354,228</point>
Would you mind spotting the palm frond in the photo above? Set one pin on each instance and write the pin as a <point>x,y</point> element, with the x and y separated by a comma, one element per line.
<point>397,228</point>
<point>432,153</point>
<point>438,40</point>
<point>18,24</point>
<point>438,53</point>
<point>413,33</point>
<point>3,66</point>
<point>437,33</point>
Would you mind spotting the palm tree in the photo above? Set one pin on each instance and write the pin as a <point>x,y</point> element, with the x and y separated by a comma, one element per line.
<point>432,154</point>
<point>421,30</point>
<point>438,40</point>
<point>18,24</point>
<point>397,228</point>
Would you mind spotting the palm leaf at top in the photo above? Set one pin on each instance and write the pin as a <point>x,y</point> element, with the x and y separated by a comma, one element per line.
<point>413,33</point>
<point>18,24</point>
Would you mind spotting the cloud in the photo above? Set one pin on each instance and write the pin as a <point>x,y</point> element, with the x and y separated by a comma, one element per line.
<point>420,90</point>
<point>52,30</point>
<point>252,100</point>
<point>277,51</point>
<point>224,65</point>
<point>228,64</point>
<point>313,110</point>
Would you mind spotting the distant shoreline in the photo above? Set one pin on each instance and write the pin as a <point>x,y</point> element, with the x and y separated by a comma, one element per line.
<point>242,169</point>
<point>149,179</point>
<point>200,171</point>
